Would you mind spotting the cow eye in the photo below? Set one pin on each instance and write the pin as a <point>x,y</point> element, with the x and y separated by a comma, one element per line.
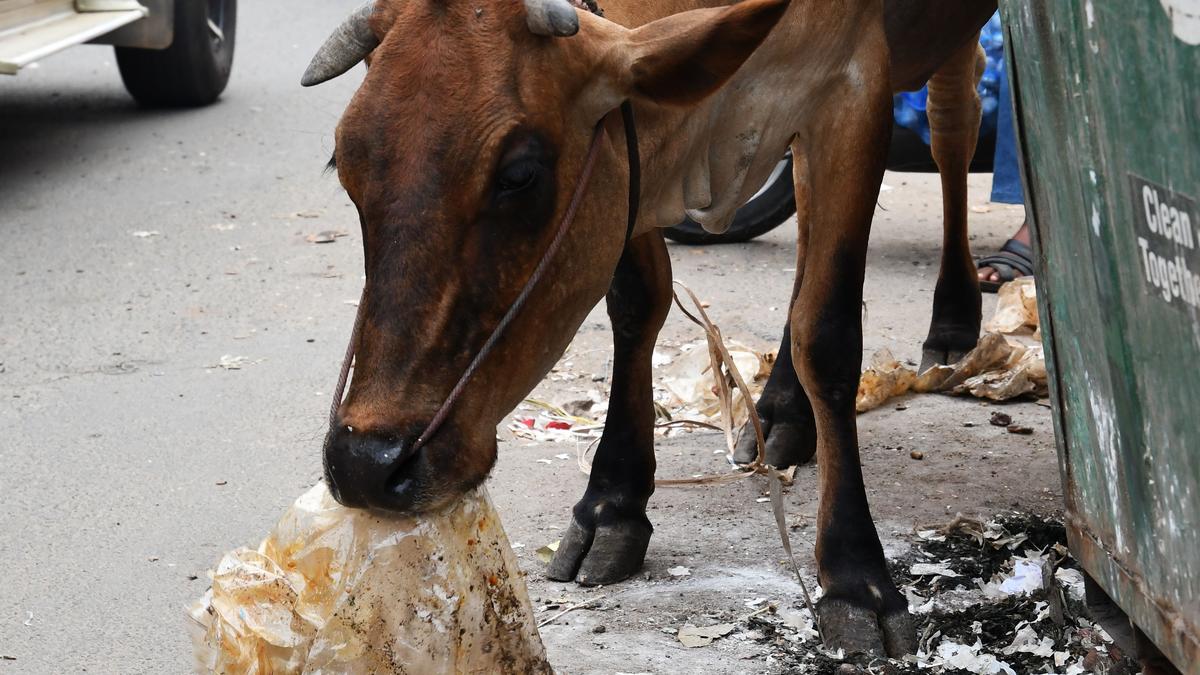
<point>518,176</point>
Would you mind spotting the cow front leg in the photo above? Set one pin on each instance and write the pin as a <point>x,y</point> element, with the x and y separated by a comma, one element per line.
<point>609,531</point>
<point>954,113</point>
<point>783,407</point>
<point>861,610</point>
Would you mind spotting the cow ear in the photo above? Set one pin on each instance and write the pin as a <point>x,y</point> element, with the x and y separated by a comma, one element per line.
<point>685,57</point>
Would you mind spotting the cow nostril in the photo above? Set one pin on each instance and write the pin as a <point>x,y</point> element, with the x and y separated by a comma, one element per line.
<point>364,469</point>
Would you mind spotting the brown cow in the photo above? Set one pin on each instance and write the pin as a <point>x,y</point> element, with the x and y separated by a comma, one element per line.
<point>461,151</point>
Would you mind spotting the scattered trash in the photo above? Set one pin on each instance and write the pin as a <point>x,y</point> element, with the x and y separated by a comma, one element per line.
<point>691,636</point>
<point>1072,579</point>
<point>1020,430</point>
<point>1000,419</point>
<point>1026,578</point>
<point>326,236</point>
<point>994,613</point>
<point>578,605</point>
<point>145,234</point>
<point>693,392</point>
<point>998,369</point>
<point>932,569</point>
<point>555,423</point>
<point>347,590</point>
<point>680,571</point>
<point>968,658</point>
<point>546,553</point>
<point>230,362</point>
<point>883,379</point>
<point>1016,308</point>
<point>28,619</point>
<point>917,454</point>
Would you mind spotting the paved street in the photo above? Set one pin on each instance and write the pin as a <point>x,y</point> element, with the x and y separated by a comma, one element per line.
<point>169,340</point>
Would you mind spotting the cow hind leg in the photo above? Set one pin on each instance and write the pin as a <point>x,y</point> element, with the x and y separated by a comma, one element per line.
<point>861,610</point>
<point>783,407</point>
<point>954,114</point>
<point>609,531</point>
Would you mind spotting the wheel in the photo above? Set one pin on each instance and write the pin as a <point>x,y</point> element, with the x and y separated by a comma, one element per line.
<point>194,70</point>
<point>766,210</point>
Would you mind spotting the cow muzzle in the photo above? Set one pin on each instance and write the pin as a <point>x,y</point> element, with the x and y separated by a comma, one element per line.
<point>372,470</point>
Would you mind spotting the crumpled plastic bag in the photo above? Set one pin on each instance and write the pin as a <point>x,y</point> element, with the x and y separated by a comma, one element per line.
<point>883,379</point>
<point>997,369</point>
<point>1016,308</point>
<point>689,379</point>
<point>1024,372</point>
<point>337,590</point>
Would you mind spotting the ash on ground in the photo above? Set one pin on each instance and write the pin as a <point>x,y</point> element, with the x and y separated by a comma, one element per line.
<point>1002,597</point>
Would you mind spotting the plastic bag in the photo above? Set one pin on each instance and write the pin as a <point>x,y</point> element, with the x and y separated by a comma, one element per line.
<point>337,590</point>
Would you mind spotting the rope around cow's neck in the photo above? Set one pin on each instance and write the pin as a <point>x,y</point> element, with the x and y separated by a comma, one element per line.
<point>443,412</point>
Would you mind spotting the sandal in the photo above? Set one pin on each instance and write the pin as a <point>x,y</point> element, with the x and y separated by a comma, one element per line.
<point>1013,260</point>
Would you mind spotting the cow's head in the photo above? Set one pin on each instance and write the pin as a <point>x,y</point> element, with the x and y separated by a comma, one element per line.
<point>461,150</point>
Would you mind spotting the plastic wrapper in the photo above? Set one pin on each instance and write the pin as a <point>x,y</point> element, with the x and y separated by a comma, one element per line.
<point>690,380</point>
<point>1016,308</point>
<point>998,369</point>
<point>992,354</point>
<point>337,590</point>
<point>883,379</point>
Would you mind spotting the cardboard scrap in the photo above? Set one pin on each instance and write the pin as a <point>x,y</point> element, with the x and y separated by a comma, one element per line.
<point>692,636</point>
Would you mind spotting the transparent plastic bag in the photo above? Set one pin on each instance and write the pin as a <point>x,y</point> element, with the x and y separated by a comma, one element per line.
<point>337,590</point>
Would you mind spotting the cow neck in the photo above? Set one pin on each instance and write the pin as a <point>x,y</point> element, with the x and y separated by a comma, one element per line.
<point>581,185</point>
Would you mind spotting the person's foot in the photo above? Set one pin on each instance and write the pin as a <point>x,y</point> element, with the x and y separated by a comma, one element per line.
<point>1015,259</point>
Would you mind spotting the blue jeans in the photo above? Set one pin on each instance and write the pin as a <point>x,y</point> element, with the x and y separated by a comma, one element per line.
<point>1006,170</point>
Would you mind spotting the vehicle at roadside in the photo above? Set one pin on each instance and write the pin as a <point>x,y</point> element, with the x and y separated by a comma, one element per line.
<point>171,53</point>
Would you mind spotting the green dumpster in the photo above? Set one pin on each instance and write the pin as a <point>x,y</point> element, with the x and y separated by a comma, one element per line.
<point>1108,101</point>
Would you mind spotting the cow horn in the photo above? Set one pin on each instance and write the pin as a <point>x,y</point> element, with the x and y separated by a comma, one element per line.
<point>348,45</point>
<point>552,18</point>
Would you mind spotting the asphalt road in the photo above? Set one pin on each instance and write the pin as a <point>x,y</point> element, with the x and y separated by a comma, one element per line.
<point>169,339</point>
<point>128,459</point>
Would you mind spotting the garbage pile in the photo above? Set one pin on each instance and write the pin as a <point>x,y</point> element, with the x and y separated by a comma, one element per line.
<point>1007,363</point>
<point>1002,597</point>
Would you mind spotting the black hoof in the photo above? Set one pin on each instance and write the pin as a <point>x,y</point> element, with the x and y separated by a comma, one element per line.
<point>858,630</point>
<point>788,444</point>
<point>602,554</point>
<point>940,357</point>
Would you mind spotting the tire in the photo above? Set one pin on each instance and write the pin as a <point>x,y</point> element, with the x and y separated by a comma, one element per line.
<point>774,204</point>
<point>194,70</point>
